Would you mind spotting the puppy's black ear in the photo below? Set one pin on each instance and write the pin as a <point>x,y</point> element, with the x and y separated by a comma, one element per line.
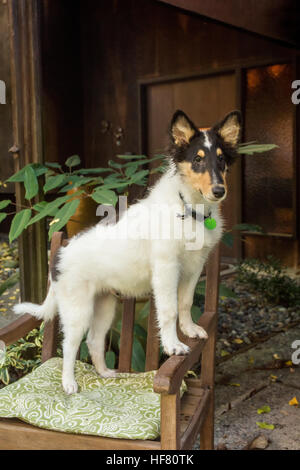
<point>182,129</point>
<point>230,128</point>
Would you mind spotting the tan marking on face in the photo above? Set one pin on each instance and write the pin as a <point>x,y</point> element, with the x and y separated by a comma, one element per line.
<point>199,181</point>
<point>219,152</point>
<point>201,153</point>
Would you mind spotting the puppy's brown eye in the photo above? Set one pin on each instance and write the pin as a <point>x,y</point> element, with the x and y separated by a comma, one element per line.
<point>198,159</point>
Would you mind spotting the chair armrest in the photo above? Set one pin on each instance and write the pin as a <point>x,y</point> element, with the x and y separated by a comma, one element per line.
<point>170,375</point>
<point>18,328</point>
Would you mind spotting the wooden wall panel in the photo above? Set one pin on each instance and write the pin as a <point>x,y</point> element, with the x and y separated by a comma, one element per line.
<point>6,139</point>
<point>125,40</point>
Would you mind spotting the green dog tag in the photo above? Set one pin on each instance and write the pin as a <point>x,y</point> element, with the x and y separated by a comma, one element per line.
<point>210,223</point>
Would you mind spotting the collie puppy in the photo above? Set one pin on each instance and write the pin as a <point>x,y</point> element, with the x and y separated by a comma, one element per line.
<point>147,250</point>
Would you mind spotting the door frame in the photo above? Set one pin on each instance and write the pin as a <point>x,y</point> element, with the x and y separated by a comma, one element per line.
<point>238,69</point>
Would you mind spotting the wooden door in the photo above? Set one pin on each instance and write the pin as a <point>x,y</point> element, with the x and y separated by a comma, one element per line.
<point>206,100</point>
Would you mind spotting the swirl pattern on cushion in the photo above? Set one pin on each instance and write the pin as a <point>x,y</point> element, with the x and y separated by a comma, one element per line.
<point>124,407</point>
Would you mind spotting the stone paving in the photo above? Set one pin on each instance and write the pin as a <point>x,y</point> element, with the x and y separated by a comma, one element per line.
<point>262,376</point>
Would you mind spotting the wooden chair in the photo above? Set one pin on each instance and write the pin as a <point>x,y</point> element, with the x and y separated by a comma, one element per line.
<point>181,419</point>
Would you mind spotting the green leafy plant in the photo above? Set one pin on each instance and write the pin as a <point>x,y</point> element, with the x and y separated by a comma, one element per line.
<point>103,185</point>
<point>269,278</point>
<point>21,357</point>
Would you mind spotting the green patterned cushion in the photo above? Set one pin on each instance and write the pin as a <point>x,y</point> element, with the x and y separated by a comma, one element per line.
<point>122,407</point>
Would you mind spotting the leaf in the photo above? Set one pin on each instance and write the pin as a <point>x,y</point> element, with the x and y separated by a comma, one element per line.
<point>228,239</point>
<point>255,148</point>
<point>238,341</point>
<point>131,169</point>
<point>263,409</point>
<point>49,207</point>
<point>105,196</point>
<point>19,223</point>
<point>4,203</point>
<point>84,351</point>
<point>139,331</point>
<point>200,289</point>
<point>224,291</point>
<point>263,425</point>
<point>138,356</point>
<point>77,182</point>
<point>4,375</point>
<point>87,171</point>
<point>144,312</point>
<point>63,216</point>
<point>137,177</point>
<point>2,216</point>
<point>196,313</point>
<point>53,165</point>
<point>73,161</point>
<point>19,177</point>
<point>234,384</point>
<point>293,402</point>
<point>131,157</point>
<point>248,227</point>
<point>224,353</point>
<point>54,182</point>
<point>30,183</point>
<point>110,359</point>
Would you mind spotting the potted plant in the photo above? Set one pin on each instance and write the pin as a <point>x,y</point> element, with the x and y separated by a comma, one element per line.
<point>71,190</point>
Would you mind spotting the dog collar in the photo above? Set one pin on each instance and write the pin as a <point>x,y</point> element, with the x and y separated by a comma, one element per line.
<point>209,222</point>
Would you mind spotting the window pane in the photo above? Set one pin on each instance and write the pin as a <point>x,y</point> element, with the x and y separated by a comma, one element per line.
<point>268,176</point>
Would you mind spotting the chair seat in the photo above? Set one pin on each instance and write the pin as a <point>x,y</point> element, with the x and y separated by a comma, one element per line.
<point>124,407</point>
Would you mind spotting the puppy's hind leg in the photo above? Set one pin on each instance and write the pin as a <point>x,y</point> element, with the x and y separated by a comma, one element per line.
<point>75,318</point>
<point>104,312</point>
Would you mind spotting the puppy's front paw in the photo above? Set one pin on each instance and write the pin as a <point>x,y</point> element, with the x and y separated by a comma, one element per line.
<point>193,331</point>
<point>70,386</point>
<point>178,348</point>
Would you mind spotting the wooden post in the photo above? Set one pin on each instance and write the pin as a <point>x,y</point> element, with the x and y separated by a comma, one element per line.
<point>170,422</point>
<point>27,133</point>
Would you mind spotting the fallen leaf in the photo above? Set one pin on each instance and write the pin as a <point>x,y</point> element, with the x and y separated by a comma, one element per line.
<point>264,425</point>
<point>260,442</point>
<point>235,384</point>
<point>224,353</point>
<point>238,341</point>
<point>251,360</point>
<point>264,409</point>
<point>293,402</point>
<point>273,378</point>
<point>288,363</point>
<point>276,356</point>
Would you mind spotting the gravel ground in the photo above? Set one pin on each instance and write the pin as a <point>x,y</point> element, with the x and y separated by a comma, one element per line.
<point>248,319</point>
<point>8,268</point>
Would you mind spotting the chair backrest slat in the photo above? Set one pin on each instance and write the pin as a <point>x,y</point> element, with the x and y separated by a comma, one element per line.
<point>126,340</point>
<point>153,341</point>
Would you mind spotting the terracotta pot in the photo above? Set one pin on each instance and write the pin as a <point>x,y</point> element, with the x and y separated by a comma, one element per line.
<point>85,215</point>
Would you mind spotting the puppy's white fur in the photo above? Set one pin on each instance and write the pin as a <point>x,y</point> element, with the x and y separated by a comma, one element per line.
<point>94,263</point>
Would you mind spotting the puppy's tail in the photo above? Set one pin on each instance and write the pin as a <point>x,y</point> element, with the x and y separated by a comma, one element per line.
<point>46,311</point>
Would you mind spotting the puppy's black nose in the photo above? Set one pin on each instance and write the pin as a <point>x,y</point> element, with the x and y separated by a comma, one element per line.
<point>218,191</point>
